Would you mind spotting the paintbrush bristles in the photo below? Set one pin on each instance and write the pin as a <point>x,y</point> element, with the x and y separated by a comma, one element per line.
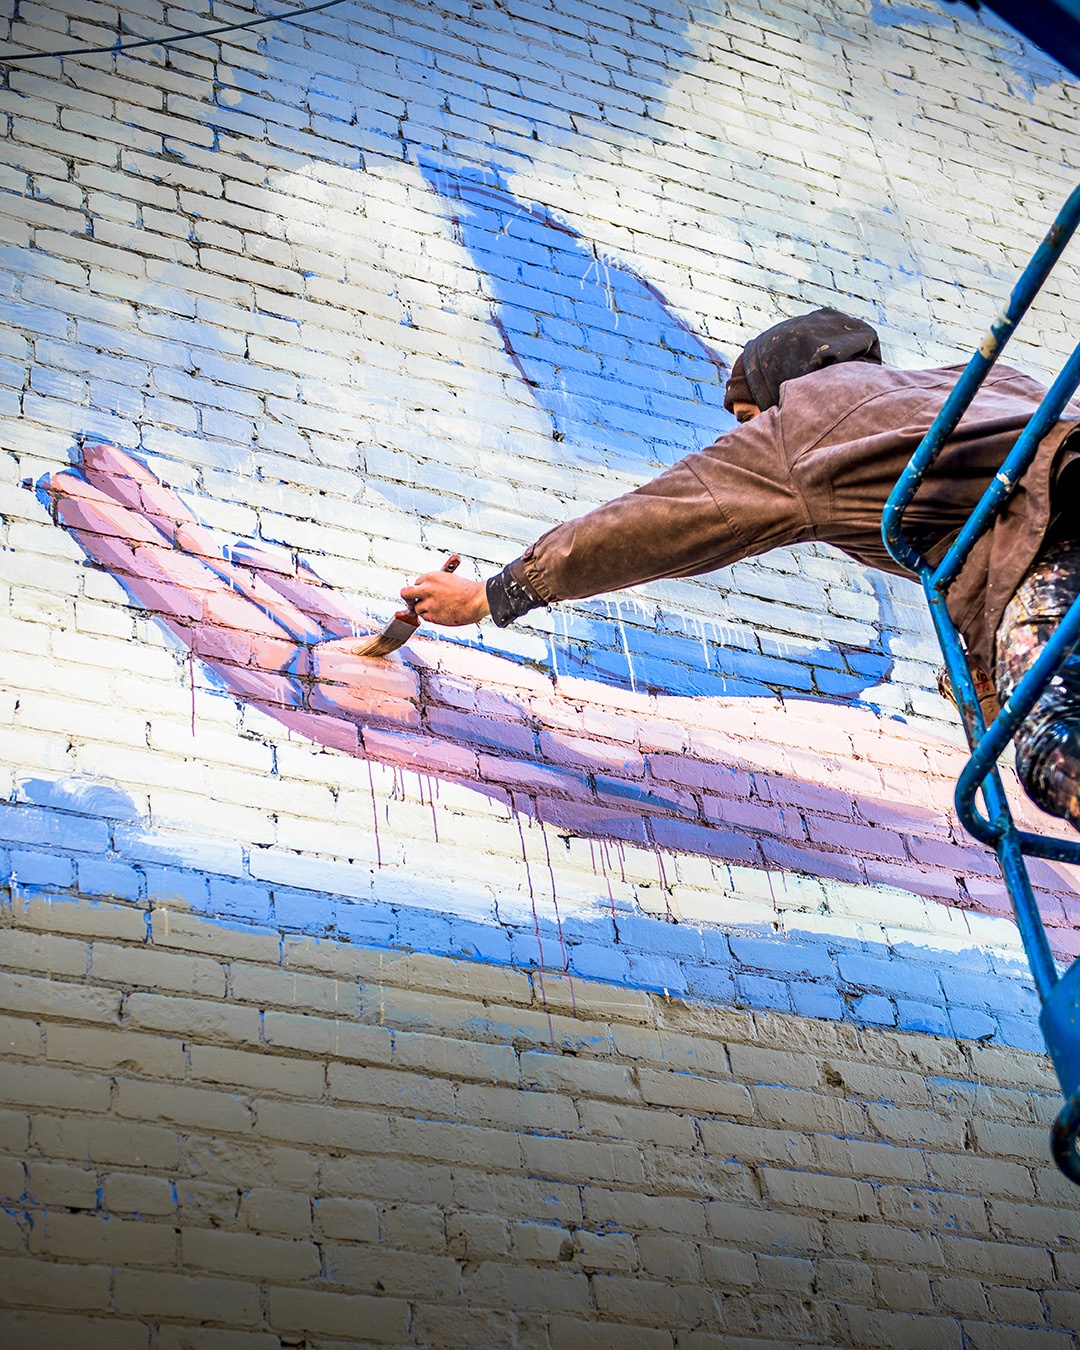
<point>396,633</point>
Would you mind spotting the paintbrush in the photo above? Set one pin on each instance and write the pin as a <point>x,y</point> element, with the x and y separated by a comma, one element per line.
<point>402,626</point>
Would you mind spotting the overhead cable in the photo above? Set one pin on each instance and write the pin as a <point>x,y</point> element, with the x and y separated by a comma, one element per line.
<point>169,38</point>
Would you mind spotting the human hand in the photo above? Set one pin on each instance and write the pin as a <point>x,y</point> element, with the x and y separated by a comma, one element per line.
<point>446,599</point>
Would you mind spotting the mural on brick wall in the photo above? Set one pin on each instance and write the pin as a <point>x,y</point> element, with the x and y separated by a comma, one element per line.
<point>727,789</point>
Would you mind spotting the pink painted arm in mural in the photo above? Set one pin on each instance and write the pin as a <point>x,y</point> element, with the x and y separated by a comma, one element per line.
<point>766,785</point>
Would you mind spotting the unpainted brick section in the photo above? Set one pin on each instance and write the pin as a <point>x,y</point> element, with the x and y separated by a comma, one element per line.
<point>619,1180</point>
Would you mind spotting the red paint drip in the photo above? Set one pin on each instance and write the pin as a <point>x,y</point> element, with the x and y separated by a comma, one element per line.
<point>558,922</point>
<point>606,861</point>
<point>663,882</point>
<point>536,930</point>
<point>374,815</point>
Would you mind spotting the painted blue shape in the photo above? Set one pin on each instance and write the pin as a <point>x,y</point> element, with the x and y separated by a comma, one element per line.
<point>102,878</point>
<point>50,828</point>
<point>759,991</point>
<point>597,961</point>
<point>817,1000</point>
<point>623,379</point>
<point>174,884</point>
<point>1022,1035</point>
<point>479,941</point>
<point>972,1024</point>
<point>925,1017</point>
<point>367,924</point>
<point>795,960</point>
<point>710,983</point>
<point>908,978</point>
<point>874,1010</point>
<point>302,911</point>
<point>653,935</point>
<point>246,898</point>
<point>662,974</point>
<point>972,994</point>
<point>31,870</point>
<point>1030,65</point>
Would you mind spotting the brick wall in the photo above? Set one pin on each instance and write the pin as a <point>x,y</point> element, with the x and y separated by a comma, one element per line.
<point>304,960</point>
<point>221,1139</point>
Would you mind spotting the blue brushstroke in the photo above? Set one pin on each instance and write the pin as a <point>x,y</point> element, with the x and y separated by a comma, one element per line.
<point>1031,66</point>
<point>624,380</point>
<point>89,843</point>
<point>627,384</point>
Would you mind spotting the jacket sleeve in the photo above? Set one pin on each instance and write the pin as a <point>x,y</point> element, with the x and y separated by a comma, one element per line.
<point>731,501</point>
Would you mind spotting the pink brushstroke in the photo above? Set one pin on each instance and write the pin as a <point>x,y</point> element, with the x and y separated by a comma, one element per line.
<point>832,792</point>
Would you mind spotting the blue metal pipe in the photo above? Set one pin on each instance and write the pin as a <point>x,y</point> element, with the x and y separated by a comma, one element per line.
<point>1045,417</point>
<point>997,829</point>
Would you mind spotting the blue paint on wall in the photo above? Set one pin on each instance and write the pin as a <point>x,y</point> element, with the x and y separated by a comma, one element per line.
<point>1030,65</point>
<point>623,379</point>
<point>627,384</point>
<point>94,829</point>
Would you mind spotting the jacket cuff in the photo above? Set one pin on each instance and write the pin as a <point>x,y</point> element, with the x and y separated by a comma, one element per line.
<point>509,595</point>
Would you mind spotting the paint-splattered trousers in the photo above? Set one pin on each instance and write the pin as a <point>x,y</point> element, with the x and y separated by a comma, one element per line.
<point>1048,742</point>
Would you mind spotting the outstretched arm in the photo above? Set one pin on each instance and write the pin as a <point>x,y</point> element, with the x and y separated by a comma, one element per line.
<point>707,511</point>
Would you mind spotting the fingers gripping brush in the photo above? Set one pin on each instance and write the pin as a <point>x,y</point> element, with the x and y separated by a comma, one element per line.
<point>402,626</point>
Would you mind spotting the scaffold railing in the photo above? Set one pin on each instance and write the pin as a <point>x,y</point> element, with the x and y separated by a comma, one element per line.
<point>1059,994</point>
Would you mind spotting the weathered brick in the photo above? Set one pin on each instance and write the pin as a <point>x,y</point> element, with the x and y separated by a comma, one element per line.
<point>20,1037</point>
<point>396,1091</point>
<point>274,1073</point>
<point>869,1326</point>
<point>90,1333</point>
<point>329,1314</point>
<point>255,1255</point>
<point>819,1194</point>
<point>274,1211</point>
<point>155,1056</point>
<point>41,1085</point>
<point>323,1036</point>
<point>201,1018</point>
<point>692,1092</point>
<point>36,997</point>
<point>335,1127</point>
<point>62,1185</point>
<point>158,1294</point>
<point>760,1230</point>
<point>140,968</point>
<point>592,1335</point>
<point>54,1285</point>
<point>92,1237</point>
<point>104,1140</point>
<point>201,1108</point>
<point>353,1220</point>
<point>132,1193</point>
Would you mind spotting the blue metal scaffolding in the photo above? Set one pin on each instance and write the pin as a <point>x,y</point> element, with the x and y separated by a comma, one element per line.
<point>1059,994</point>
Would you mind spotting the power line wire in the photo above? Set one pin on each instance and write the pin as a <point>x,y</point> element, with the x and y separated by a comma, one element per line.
<point>169,38</point>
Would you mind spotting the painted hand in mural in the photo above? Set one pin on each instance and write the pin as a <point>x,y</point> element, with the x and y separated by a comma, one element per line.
<point>758,783</point>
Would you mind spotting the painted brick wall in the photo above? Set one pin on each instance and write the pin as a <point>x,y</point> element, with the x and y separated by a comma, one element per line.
<point>220,1139</point>
<point>290,315</point>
